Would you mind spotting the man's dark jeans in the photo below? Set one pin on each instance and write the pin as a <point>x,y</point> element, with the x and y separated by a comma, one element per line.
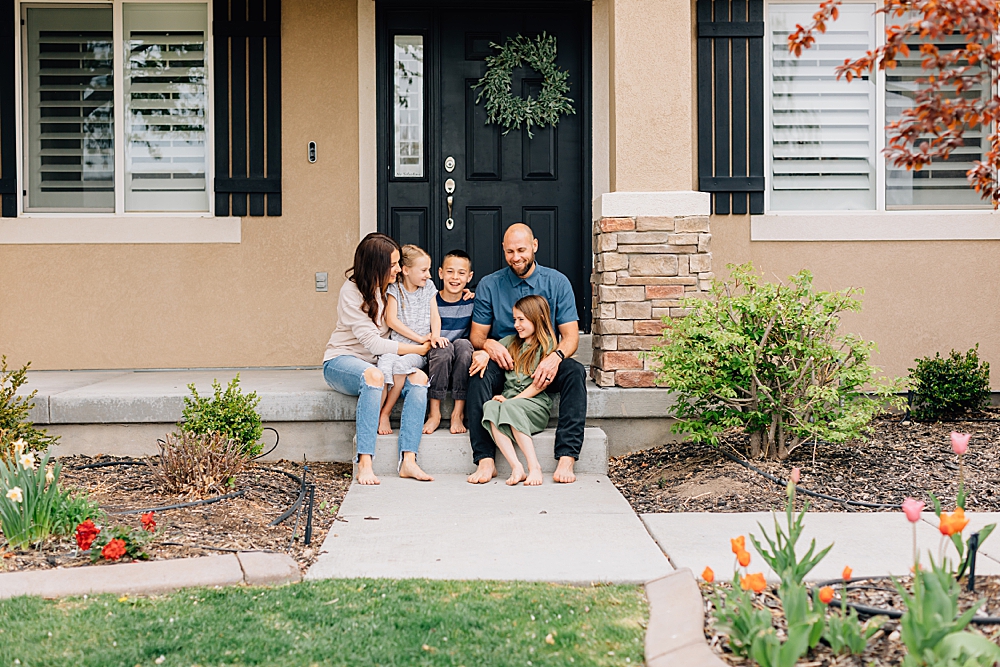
<point>450,365</point>
<point>571,385</point>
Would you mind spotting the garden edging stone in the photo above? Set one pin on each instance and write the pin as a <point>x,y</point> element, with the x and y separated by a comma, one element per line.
<point>148,578</point>
<point>675,635</point>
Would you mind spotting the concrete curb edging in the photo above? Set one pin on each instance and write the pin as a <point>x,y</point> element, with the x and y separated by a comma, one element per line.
<point>153,577</point>
<point>675,635</point>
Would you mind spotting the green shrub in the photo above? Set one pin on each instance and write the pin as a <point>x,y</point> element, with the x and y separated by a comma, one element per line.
<point>231,413</point>
<point>949,387</point>
<point>14,409</point>
<point>71,509</point>
<point>197,465</point>
<point>30,499</point>
<point>767,357</point>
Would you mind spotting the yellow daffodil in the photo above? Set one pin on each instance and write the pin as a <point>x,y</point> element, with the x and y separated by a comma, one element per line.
<point>50,475</point>
<point>19,447</point>
<point>27,460</point>
<point>15,494</point>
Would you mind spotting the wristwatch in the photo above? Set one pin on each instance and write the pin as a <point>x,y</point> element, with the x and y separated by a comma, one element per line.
<point>561,355</point>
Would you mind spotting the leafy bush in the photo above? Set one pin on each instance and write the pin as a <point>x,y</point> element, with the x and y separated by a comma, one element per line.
<point>767,357</point>
<point>230,413</point>
<point>117,542</point>
<point>14,423</point>
<point>197,465</point>
<point>72,509</point>
<point>950,387</point>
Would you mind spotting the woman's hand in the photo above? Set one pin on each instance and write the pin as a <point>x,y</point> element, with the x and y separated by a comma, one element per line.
<point>480,360</point>
<point>440,341</point>
<point>499,399</point>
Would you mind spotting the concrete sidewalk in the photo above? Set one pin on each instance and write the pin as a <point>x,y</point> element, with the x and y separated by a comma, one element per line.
<point>449,529</point>
<point>871,543</point>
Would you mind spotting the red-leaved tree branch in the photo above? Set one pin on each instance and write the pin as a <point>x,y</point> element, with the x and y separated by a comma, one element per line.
<point>942,111</point>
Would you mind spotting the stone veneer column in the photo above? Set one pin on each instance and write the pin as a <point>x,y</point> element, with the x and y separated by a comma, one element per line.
<point>643,266</point>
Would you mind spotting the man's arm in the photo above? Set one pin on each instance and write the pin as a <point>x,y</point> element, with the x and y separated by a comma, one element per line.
<point>479,337</point>
<point>548,367</point>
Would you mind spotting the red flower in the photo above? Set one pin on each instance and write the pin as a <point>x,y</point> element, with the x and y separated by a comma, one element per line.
<point>148,523</point>
<point>825,595</point>
<point>114,549</point>
<point>86,533</point>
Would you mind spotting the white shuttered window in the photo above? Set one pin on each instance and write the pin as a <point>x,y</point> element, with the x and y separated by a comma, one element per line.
<point>822,130</point>
<point>166,106</point>
<point>150,153</point>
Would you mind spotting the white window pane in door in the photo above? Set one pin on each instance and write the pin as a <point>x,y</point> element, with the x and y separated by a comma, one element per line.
<point>166,107</point>
<point>942,184</point>
<point>408,105</point>
<point>822,129</point>
<point>69,109</point>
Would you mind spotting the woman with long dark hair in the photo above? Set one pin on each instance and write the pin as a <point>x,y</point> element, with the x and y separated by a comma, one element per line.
<point>360,337</point>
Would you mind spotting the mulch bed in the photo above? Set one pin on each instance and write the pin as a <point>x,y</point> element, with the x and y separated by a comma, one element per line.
<point>236,524</point>
<point>885,647</point>
<point>900,460</point>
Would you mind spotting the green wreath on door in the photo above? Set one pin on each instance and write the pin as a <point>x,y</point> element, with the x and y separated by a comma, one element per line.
<point>510,111</point>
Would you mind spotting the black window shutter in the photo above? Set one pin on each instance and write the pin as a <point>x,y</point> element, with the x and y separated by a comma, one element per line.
<point>247,52</point>
<point>8,131</point>
<point>731,104</point>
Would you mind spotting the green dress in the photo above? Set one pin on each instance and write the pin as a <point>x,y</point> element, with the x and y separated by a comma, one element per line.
<point>527,415</point>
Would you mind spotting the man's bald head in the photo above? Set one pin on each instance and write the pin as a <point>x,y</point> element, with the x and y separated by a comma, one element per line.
<point>518,230</point>
<point>519,247</point>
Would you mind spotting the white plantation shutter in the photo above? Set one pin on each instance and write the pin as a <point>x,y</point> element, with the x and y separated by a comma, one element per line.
<point>70,105</point>
<point>166,106</point>
<point>942,184</point>
<point>822,129</point>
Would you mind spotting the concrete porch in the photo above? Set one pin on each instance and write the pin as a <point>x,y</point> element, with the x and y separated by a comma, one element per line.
<point>122,413</point>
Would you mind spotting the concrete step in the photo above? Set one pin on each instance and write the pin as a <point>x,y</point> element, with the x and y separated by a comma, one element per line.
<point>443,453</point>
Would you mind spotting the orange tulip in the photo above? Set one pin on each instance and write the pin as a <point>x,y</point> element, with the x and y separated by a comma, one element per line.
<point>708,575</point>
<point>953,523</point>
<point>846,574</point>
<point>744,558</point>
<point>739,544</point>
<point>753,582</point>
<point>825,595</point>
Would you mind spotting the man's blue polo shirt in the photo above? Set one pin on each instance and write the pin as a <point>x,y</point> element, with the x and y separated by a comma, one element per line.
<point>498,292</point>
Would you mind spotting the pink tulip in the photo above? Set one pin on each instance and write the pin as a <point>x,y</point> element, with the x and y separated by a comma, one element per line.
<point>796,475</point>
<point>959,442</point>
<point>912,509</point>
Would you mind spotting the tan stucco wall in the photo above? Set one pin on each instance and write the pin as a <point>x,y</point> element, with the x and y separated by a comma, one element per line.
<point>652,114</point>
<point>251,304</point>
<point>921,297</point>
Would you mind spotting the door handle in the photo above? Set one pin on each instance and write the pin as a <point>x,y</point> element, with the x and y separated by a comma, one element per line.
<point>449,187</point>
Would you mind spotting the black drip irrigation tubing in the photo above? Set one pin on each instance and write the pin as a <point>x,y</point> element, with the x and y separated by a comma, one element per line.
<point>193,503</point>
<point>815,494</point>
<point>865,610</point>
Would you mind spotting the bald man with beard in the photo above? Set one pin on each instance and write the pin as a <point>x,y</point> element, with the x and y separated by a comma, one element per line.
<point>492,319</point>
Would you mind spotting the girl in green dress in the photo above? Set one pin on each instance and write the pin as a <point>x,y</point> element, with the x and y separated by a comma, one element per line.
<point>523,409</point>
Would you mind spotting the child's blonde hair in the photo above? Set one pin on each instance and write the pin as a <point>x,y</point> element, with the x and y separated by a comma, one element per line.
<point>536,310</point>
<point>409,254</point>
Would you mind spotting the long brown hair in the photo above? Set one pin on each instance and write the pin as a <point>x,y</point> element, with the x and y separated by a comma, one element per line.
<point>536,310</point>
<point>372,264</point>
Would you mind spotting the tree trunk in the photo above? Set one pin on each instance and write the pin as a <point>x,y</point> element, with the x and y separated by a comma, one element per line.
<point>756,438</point>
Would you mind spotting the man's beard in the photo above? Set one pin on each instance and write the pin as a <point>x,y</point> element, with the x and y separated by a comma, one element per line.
<point>527,269</point>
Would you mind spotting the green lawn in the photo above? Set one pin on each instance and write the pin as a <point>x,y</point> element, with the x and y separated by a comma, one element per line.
<point>337,622</point>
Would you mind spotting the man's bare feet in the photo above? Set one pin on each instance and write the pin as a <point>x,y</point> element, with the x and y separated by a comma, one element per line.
<point>409,469</point>
<point>432,423</point>
<point>564,471</point>
<point>534,477</point>
<point>384,427</point>
<point>516,476</point>
<point>484,473</point>
<point>366,475</point>
<point>457,422</point>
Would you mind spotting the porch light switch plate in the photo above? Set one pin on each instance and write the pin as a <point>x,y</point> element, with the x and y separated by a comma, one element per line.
<point>322,284</point>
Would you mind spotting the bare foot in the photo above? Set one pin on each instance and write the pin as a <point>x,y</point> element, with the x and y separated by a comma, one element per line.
<point>366,475</point>
<point>432,423</point>
<point>458,422</point>
<point>564,471</point>
<point>411,470</point>
<point>484,473</point>
<point>516,476</point>
<point>384,427</point>
<point>534,477</point>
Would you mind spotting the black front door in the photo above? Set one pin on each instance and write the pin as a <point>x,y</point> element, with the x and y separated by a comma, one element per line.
<point>433,137</point>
